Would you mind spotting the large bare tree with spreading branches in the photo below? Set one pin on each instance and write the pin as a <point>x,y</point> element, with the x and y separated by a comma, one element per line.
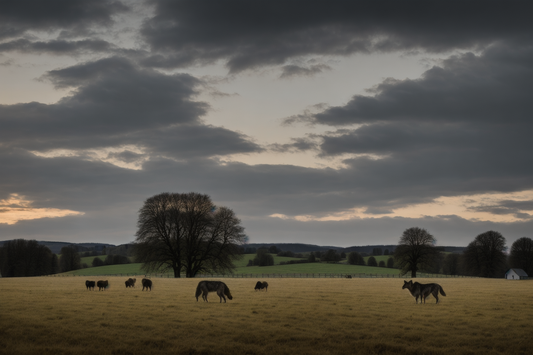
<point>187,232</point>
<point>415,251</point>
<point>485,256</point>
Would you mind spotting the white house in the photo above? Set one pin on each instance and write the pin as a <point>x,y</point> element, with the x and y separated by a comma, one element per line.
<point>516,274</point>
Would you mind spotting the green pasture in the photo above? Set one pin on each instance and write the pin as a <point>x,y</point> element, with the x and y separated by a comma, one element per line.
<point>242,269</point>
<point>132,269</point>
<point>307,268</point>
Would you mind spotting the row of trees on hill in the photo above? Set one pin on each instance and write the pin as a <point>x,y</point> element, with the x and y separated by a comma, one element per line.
<point>484,257</point>
<point>20,258</point>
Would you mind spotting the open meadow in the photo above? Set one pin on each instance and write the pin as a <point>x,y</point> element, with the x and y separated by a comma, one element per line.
<point>57,315</point>
<point>241,268</point>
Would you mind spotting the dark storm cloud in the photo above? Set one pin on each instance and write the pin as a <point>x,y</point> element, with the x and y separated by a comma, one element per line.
<point>248,34</point>
<point>462,128</point>
<point>20,16</point>
<point>115,103</point>
<point>57,46</point>
<point>466,123</point>
<point>490,88</point>
<point>507,207</point>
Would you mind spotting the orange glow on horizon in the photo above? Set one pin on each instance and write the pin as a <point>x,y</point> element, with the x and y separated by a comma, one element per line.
<point>17,208</point>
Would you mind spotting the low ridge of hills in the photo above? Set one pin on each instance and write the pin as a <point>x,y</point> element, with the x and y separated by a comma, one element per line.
<point>55,247</point>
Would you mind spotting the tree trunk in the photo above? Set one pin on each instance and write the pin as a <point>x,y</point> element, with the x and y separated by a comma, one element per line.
<point>413,273</point>
<point>177,273</point>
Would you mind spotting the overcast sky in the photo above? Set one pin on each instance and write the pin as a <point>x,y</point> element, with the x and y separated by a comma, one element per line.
<point>326,122</point>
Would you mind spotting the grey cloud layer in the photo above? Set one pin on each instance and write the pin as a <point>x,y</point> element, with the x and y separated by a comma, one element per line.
<point>17,17</point>
<point>115,103</point>
<point>462,128</point>
<point>494,87</point>
<point>248,34</point>
<point>57,46</point>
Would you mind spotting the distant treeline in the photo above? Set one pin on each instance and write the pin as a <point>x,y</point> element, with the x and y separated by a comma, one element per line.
<point>251,248</point>
<point>20,258</point>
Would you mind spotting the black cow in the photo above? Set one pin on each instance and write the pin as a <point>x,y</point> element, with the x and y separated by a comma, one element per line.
<point>147,284</point>
<point>90,285</point>
<point>261,285</point>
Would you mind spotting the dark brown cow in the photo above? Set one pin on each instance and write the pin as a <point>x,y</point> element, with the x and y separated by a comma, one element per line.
<point>147,284</point>
<point>261,285</point>
<point>102,285</point>
<point>130,282</point>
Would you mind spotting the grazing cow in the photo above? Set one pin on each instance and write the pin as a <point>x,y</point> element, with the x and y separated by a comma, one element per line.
<point>130,282</point>
<point>261,285</point>
<point>90,285</point>
<point>102,285</point>
<point>204,287</point>
<point>146,284</point>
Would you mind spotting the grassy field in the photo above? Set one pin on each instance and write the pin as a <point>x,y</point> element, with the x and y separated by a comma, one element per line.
<point>53,315</point>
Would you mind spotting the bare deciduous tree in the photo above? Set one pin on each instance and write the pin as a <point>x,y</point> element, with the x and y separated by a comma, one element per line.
<point>485,256</point>
<point>187,231</point>
<point>415,251</point>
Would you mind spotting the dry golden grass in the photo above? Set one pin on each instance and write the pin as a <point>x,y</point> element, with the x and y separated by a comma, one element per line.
<point>49,315</point>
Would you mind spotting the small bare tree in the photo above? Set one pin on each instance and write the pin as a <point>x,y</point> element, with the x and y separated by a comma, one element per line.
<point>415,251</point>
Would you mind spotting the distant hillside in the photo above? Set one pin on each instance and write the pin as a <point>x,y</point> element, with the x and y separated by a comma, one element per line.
<point>124,249</point>
<point>294,247</point>
<point>307,248</point>
<point>55,247</point>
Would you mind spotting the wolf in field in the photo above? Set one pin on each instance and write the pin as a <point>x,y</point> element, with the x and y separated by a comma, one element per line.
<point>261,285</point>
<point>423,290</point>
<point>204,287</point>
<point>90,285</point>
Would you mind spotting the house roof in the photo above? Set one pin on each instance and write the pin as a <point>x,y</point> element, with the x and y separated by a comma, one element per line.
<point>519,272</point>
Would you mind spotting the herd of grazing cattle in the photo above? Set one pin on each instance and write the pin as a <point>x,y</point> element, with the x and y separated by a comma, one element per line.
<point>102,285</point>
<point>204,287</point>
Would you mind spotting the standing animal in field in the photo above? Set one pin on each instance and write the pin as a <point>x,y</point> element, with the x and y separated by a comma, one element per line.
<point>261,285</point>
<point>204,287</point>
<point>90,285</point>
<point>130,282</point>
<point>147,283</point>
<point>102,285</point>
<point>423,290</point>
